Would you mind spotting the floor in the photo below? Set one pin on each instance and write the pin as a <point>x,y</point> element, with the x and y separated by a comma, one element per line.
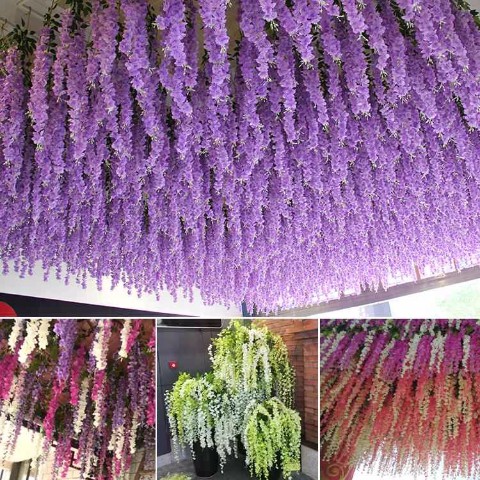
<point>234,470</point>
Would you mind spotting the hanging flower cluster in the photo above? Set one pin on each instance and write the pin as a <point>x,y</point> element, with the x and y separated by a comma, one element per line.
<point>328,146</point>
<point>272,436</point>
<point>189,406</point>
<point>252,360</point>
<point>67,379</point>
<point>402,396</point>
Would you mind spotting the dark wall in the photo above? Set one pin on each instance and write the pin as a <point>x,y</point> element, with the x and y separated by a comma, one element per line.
<point>188,347</point>
<point>44,307</point>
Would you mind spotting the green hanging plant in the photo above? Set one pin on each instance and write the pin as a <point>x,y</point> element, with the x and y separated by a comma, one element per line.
<point>272,439</point>
<point>190,410</point>
<point>252,363</point>
<point>253,360</point>
<point>282,371</point>
<point>202,410</point>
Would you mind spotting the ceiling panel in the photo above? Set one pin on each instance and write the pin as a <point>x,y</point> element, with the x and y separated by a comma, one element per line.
<point>12,11</point>
<point>475,4</point>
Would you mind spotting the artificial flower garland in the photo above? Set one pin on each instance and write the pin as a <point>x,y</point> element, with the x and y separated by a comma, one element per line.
<point>328,147</point>
<point>252,360</point>
<point>80,393</point>
<point>401,396</point>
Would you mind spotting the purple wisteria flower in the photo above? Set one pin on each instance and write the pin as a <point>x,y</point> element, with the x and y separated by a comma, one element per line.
<point>13,118</point>
<point>66,330</point>
<point>276,154</point>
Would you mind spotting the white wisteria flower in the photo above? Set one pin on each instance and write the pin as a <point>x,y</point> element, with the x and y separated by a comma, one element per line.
<point>81,407</point>
<point>98,347</point>
<point>466,351</point>
<point>365,350</point>
<point>127,326</point>
<point>15,333</point>
<point>43,331</point>
<point>30,341</point>
<point>406,329</point>
<point>411,354</point>
<point>333,346</point>
<point>97,411</point>
<point>119,440</point>
<point>133,433</point>
<point>438,351</point>
<point>424,326</point>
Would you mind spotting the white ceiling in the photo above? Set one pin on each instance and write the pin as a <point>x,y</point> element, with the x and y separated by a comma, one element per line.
<point>12,11</point>
<point>35,286</point>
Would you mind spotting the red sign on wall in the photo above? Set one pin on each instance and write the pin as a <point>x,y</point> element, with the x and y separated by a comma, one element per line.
<point>6,310</point>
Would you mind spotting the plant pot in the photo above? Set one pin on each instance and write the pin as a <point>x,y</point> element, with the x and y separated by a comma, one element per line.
<point>275,474</point>
<point>206,461</point>
<point>241,446</point>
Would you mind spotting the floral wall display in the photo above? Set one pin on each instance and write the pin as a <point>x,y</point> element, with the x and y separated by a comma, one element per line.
<point>245,401</point>
<point>401,396</point>
<point>87,385</point>
<point>313,146</point>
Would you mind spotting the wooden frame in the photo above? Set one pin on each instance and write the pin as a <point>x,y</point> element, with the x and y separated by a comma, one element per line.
<point>367,297</point>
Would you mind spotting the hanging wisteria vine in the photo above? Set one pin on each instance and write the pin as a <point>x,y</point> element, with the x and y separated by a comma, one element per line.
<point>73,382</point>
<point>312,146</point>
<point>401,396</point>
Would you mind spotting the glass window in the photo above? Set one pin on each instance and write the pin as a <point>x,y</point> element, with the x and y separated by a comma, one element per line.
<point>461,300</point>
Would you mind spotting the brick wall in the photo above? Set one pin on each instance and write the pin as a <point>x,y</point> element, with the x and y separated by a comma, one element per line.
<point>301,338</point>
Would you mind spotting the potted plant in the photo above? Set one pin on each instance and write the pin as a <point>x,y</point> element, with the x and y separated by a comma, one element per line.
<point>242,406</point>
<point>252,362</point>
<point>272,440</point>
<point>189,410</point>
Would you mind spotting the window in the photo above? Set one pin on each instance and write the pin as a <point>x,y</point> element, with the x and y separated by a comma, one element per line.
<point>460,300</point>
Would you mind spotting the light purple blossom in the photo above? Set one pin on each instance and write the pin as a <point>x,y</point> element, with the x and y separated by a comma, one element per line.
<point>66,330</point>
<point>13,121</point>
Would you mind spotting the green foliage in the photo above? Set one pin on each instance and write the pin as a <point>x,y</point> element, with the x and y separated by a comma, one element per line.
<point>465,5</point>
<point>52,18</point>
<point>6,326</point>
<point>227,361</point>
<point>24,40</point>
<point>81,9</point>
<point>188,409</point>
<point>282,372</point>
<point>253,359</point>
<point>272,438</point>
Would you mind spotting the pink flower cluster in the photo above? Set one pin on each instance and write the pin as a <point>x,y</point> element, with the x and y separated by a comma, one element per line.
<point>97,408</point>
<point>403,401</point>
